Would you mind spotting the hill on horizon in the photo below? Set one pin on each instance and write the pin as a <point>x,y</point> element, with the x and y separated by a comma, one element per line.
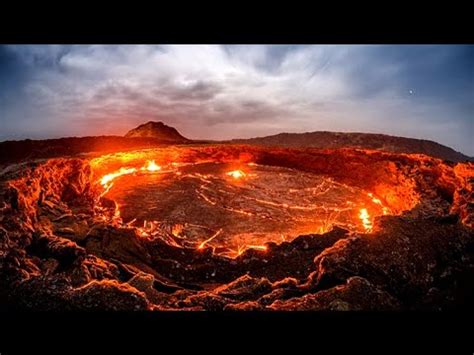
<point>157,130</point>
<point>334,140</point>
<point>153,134</point>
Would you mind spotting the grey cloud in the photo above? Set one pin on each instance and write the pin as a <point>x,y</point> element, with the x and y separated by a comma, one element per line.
<point>221,91</point>
<point>245,111</point>
<point>268,59</point>
<point>201,91</point>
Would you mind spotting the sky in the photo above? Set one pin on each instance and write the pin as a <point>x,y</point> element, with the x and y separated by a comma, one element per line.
<point>239,91</point>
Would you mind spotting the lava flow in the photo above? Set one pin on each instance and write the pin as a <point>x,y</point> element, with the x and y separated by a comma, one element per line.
<point>193,205</point>
<point>107,180</point>
<point>365,218</point>
<point>236,174</point>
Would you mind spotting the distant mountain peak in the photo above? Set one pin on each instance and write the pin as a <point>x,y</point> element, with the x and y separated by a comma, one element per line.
<point>159,130</point>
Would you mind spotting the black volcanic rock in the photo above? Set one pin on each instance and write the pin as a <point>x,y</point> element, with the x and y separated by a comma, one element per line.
<point>355,295</point>
<point>156,130</point>
<point>332,140</point>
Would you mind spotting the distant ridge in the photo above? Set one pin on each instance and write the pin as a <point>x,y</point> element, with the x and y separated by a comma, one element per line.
<point>323,139</point>
<point>154,134</point>
<point>157,130</point>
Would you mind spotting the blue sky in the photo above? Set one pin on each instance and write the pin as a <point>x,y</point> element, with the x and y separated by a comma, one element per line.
<point>221,92</point>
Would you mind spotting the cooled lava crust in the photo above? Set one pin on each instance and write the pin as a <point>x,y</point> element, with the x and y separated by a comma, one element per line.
<point>64,244</point>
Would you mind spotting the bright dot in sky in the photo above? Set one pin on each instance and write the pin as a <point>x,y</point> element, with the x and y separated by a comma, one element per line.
<point>411,92</point>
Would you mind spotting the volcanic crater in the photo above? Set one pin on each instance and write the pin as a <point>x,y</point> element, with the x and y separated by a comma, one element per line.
<point>202,226</point>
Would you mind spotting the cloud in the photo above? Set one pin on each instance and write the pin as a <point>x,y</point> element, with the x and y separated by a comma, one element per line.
<point>232,91</point>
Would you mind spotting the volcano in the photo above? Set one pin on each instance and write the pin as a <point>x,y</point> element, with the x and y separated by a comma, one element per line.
<point>157,130</point>
<point>156,221</point>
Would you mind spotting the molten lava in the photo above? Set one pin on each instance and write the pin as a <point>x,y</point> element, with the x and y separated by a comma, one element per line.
<point>106,180</point>
<point>377,201</point>
<point>365,218</point>
<point>209,239</point>
<point>151,166</point>
<point>191,205</point>
<point>236,174</point>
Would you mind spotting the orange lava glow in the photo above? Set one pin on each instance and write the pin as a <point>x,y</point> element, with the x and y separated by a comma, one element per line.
<point>177,232</point>
<point>106,180</point>
<point>151,166</point>
<point>365,218</point>
<point>385,210</point>
<point>240,250</point>
<point>236,174</point>
<point>209,239</point>
<point>257,247</point>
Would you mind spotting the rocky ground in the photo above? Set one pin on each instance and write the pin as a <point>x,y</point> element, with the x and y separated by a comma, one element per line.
<point>59,251</point>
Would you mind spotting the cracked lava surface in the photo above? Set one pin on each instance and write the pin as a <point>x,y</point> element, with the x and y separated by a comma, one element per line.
<point>202,204</point>
<point>233,206</point>
<point>228,227</point>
